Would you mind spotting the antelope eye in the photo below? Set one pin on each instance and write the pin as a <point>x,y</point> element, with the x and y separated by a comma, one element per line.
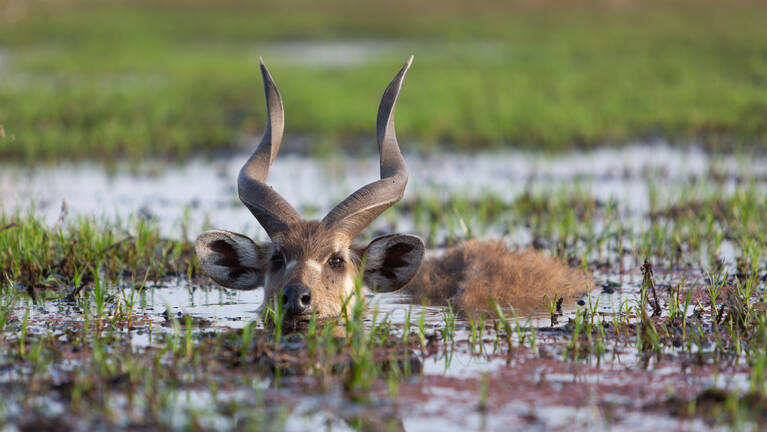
<point>336,262</point>
<point>278,260</point>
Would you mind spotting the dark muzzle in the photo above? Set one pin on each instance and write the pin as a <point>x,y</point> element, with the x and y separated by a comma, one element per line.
<point>296,300</point>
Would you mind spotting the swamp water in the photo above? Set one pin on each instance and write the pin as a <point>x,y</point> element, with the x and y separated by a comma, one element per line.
<point>207,189</point>
<point>537,381</point>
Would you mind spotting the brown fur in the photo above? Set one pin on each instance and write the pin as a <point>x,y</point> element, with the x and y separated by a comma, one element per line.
<point>309,256</point>
<point>308,242</point>
<point>470,275</point>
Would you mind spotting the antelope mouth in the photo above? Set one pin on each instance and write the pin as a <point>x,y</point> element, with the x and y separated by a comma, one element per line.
<point>300,323</point>
<point>296,322</point>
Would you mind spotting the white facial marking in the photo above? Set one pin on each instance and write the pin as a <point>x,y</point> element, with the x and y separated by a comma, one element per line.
<point>314,264</point>
<point>348,286</point>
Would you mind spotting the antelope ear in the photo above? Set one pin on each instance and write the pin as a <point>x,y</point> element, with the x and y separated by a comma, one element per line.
<point>391,261</point>
<point>232,260</point>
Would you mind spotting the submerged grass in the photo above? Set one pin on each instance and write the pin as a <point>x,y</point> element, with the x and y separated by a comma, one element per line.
<point>89,79</point>
<point>142,384</point>
<point>74,253</point>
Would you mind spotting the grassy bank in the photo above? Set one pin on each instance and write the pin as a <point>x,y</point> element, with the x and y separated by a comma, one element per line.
<point>119,79</point>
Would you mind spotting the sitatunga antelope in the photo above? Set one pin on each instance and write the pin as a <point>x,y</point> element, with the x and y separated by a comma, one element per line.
<point>310,267</point>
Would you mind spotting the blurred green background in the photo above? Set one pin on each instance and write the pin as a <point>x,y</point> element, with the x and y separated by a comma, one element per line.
<point>135,79</point>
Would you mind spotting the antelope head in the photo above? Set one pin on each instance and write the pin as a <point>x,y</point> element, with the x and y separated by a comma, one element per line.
<point>310,267</point>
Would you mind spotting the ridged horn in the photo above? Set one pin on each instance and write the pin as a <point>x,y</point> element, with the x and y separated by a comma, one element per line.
<point>270,208</point>
<point>357,211</point>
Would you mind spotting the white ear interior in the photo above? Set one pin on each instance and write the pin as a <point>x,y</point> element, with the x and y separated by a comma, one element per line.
<point>391,261</point>
<point>233,260</point>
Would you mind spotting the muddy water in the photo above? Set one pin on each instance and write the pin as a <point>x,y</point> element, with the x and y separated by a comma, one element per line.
<point>534,390</point>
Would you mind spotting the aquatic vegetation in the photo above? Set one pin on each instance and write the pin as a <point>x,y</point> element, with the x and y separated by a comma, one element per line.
<point>87,325</point>
<point>72,253</point>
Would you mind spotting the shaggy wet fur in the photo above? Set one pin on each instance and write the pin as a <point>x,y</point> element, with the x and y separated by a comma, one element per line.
<point>470,275</point>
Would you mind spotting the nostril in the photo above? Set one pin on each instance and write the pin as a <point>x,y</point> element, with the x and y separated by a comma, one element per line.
<point>296,299</point>
<point>306,300</point>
